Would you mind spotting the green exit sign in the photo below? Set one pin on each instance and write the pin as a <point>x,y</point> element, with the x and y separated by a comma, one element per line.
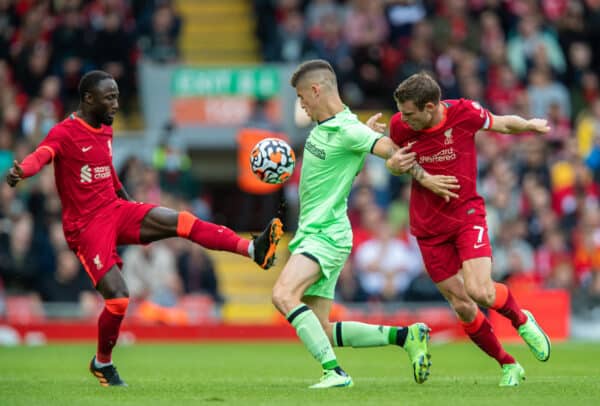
<point>256,82</point>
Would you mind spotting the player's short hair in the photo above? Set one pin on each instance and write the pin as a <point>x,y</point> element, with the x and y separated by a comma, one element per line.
<point>311,66</point>
<point>419,88</point>
<point>90,80</point>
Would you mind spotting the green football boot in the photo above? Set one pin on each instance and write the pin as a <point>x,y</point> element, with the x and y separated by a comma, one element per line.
<point>512,375</point>
<point>333,379</point>
<point>416,347</point>
<point>535,338</point>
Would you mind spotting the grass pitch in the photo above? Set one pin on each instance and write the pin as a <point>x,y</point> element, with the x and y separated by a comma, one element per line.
<point>279,373</point>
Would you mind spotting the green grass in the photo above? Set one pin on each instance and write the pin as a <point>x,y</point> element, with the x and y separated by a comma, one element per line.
<point>279,373</point>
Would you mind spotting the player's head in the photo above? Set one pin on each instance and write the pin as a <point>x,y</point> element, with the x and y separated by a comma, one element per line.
<point>99,96</point>
<point>417,99</point>
<point>315,83</point>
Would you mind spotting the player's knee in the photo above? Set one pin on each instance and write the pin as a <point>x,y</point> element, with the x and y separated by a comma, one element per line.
<point>465,309</point>
<point>483,295</point>
<point>283,299</point>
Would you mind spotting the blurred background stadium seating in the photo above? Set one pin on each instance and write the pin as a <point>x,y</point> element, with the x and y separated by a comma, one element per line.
<point>194,73</point>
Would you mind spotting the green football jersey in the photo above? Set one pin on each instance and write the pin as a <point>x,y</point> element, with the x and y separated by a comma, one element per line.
<point>334,154</point>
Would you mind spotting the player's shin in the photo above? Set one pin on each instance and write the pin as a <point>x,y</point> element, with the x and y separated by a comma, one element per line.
<point>209,235</point>
<point>358,335</point>
<point>312,335</point>
<point>506,305</point>
<point>109,324</point>
<point>480,332</point>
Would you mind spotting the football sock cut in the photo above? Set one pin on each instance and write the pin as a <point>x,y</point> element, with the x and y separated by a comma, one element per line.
<point>312,335</point>
<point>481,333</point>
<point>109,324</point>
<point>211,236</point>
<point>358,335</point>
<point>506,305</point>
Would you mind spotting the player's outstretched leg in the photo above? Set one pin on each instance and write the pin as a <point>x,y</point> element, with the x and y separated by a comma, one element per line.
<point>216,237</point>
<point>265,244</point>
<point>522,320</point>
<point>414,339</point>
<point>107,375</point>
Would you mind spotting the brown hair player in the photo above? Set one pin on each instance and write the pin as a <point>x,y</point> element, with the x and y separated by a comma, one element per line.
<point>452,233</point>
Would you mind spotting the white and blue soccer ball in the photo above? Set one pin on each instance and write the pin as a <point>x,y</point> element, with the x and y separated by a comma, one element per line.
<point>272,160</point>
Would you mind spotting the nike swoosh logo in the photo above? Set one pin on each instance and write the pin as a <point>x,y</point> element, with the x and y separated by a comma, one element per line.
<point>86,149</point>
<point>478,245</point>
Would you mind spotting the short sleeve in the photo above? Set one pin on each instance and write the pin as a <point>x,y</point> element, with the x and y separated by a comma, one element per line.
<point>479,116</point>
<point>53,141</point>
<point>396,131</point>
<point>360,138</point>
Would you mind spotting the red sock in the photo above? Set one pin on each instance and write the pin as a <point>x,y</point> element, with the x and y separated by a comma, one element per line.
<point>506,305</point>
<point>481,333</point>
<point>109,324</point>
<point>209,235</point>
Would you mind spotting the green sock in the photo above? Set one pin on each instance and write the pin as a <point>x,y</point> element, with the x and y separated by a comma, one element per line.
<point>313,336</point>
<point>355,334</point>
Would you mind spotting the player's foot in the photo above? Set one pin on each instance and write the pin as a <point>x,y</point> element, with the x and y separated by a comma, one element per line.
<point>416,346</point>
<point>265,244</point>
<point>108,375</point>
<point>535,338</point>
<point>512,375</point>
<point>333,379</point>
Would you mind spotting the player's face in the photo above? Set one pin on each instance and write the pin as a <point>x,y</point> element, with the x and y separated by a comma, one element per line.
<point>308,96</point>
<point>413,117</point>
<point>106,101</point>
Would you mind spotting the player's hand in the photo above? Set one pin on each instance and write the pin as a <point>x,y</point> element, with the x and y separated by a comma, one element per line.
<point>538,125</point>
<point>402,160</point>
<point>442,185</point>
<point>15,174</point>
<point>374,125</point>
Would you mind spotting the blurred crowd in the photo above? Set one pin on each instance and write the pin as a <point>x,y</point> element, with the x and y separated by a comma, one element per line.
<point>47,45</point>
<point>534,58</point>
<point>527,57</point>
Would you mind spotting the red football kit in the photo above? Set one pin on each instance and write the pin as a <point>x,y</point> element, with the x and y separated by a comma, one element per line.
<point>95,219</point>
<point>448,233</point>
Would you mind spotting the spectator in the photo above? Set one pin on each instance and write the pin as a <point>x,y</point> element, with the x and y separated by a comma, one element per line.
<point>151,274</point>
<point>160,44</point>
<point>197,273</point>
<point>68,284</point>
<point>543,90</point>
<point>386,265</point>
<point>527,41</point>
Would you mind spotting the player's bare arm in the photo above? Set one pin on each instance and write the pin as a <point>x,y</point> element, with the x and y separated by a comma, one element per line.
<point>513,124</point>
<point>442,185</point>
<point>400,161</point>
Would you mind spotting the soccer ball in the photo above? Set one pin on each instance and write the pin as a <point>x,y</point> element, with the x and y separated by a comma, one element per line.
<point>272,160</point>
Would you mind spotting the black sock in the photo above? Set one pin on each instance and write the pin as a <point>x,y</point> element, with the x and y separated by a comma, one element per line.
<point>401,336</point>
<point>340,371</point>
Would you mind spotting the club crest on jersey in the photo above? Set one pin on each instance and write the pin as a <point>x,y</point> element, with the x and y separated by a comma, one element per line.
<point>97,262</point>
<point>86,174</point>
<point>448,135</point>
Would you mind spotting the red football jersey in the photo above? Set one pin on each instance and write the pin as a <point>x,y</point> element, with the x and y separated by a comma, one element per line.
<point>445,149</point>
<point>83,171</point>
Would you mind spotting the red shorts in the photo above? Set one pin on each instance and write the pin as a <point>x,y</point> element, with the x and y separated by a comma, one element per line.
<point>96,244</point>
<point>443,255</point>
